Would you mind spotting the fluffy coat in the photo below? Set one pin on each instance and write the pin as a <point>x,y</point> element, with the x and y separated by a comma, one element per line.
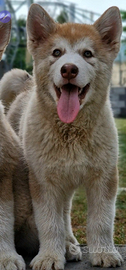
<point>68,135</point>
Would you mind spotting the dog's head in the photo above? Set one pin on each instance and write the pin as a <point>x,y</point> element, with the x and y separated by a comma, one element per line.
<point>73,62</point>
<point>5,29</point>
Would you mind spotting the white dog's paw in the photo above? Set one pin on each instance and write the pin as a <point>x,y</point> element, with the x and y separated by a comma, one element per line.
<point>46,262</point>
<point>73,252</point>
<point>11,261</point>
<point>105,259</point>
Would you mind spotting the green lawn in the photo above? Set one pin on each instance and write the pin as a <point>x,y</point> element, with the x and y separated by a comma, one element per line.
<point>120,220</point>
<point>79,210</point>
<point>121,125</point>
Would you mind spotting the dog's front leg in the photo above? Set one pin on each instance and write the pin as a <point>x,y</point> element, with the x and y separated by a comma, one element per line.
<point>48,209</point>
<point>101,196</point>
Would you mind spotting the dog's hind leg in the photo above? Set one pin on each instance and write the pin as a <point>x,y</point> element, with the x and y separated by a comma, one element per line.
<point>26,237</point>
<point>9,259</point>
<point>73,251</point>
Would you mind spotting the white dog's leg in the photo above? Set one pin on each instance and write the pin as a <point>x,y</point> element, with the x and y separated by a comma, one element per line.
<point>9,259</point>
<point>48,210</point>
<point>73,251</point>
<point>101,195</point>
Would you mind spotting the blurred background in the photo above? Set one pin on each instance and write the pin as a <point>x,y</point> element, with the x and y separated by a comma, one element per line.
<point>17,56</point>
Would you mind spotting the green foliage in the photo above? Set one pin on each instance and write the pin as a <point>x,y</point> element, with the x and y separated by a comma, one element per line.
<point>123,14</point>
<point>21,22</point>
<point>20,59</point>
<point>121,125</point>
<point>63,17</point>
<point>124,28</point>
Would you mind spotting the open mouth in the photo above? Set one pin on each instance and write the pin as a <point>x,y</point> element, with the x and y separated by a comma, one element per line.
<point>70,98</point>
<point>81,91</point>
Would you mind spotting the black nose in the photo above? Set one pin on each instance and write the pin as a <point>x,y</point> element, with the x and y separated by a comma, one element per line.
<point>69,71</point>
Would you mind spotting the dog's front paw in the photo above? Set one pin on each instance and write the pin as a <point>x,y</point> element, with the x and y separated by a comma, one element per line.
<point>105,259</point>
<point>73,252</point>
<point>47,261</point>
<point>11,261</point>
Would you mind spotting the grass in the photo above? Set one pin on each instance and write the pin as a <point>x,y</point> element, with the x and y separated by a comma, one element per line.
<point>79,210</point>
<point>121,125</point>
<point>79,214</point>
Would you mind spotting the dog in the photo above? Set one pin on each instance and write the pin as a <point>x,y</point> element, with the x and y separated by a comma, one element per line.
<point>8,255</point>
<point>16,212</point>
<point>9,145</point>
<point>68,135</point>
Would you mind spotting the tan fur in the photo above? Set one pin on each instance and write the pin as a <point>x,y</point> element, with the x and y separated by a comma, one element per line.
<point>15,190</point>
<point>16,214</point>
<point>12,84</point>
<point>9,259</point>
<point>4,36</point>
<point>9,158</point>
<point>60,155</point>
<point>13,115</point>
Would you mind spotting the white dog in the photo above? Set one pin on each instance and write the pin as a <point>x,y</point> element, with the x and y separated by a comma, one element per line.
<point>68,134</point>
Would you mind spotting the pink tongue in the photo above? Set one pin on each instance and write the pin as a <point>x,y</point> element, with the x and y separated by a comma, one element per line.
<point>68,105</point>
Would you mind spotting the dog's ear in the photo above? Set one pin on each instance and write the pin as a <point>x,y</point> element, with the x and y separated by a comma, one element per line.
<point>5,29</point>
<point>39,26</point>
<point>109,26</point>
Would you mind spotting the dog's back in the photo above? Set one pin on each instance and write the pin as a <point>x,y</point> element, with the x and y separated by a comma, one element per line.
<point>12,84</point>
<point>17,107</point>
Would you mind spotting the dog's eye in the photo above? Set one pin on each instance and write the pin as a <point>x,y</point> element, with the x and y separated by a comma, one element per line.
<point>56,53</point>
<point>88,54</point>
